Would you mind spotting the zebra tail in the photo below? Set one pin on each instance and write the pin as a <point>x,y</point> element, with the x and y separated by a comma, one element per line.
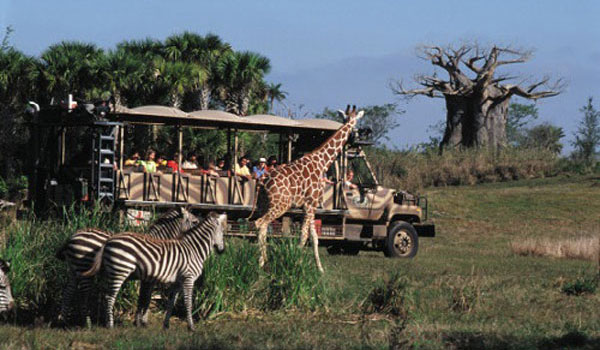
<point>95,265</point>
<point>60,254</point>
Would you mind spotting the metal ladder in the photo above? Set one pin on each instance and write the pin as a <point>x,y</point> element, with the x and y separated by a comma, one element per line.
<point>103,171</point>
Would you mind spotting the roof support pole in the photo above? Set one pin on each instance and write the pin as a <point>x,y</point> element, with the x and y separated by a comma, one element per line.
<point>289,148</point>
<point>179,145</point>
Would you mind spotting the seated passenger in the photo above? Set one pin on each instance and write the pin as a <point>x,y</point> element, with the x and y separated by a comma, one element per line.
<point>348,183</point>
<point>220,164</point>
<point>191,162</point>
<point>272,163</point>
<point>173,164</point>
<point>131,161</point>
<point>258,171</point>
<point>211,170</point>
<point>242,170</point>
<point>148,164</point>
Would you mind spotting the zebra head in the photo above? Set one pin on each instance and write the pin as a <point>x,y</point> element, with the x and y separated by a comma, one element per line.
<point>219,223</point>
<point>6,300</point>
<point>188,220</point>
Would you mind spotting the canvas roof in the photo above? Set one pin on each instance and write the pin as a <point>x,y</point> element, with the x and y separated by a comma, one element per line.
<point>217,118</point>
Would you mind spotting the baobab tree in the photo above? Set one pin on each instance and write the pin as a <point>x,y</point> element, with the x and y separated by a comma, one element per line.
<point>476,100</point>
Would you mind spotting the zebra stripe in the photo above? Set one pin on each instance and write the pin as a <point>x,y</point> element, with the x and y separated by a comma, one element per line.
<point>83,245</point>
<point>177,261</point>
<point>6,299</point>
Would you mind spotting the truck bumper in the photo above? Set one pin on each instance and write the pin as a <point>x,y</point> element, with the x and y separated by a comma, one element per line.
<point>425,230</point>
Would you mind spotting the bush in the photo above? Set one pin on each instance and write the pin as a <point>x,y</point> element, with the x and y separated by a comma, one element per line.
<point>388,297</point>
<point>413,170</point>
<point>582,285</point>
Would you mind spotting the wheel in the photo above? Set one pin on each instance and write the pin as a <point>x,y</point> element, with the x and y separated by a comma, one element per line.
<point>402,240</point>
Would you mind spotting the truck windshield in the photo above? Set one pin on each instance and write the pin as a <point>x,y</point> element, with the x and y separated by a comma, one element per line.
<point>362,174</point>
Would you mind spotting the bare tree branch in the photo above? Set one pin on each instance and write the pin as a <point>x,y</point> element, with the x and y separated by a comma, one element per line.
<point>398,89</point>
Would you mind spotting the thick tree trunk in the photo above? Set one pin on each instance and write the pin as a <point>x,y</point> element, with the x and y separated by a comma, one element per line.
<point>478,120</point>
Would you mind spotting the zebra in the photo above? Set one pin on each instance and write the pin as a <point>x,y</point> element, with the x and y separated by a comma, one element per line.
<point>83,245</point>
<point>178,262</point>
<point>7,302</point>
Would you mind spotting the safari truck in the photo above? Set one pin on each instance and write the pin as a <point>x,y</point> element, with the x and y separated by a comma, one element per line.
<point>78,153</point>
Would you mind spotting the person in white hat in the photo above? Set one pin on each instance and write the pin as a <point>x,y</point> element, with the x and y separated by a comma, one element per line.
<point>259,170</point>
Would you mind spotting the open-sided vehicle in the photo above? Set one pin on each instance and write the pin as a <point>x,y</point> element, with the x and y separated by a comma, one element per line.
<point>351,217</point>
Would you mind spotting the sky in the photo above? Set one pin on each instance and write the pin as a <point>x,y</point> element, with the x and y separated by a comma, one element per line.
<point>331,53</point>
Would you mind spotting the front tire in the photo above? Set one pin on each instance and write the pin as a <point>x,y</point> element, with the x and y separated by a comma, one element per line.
<point>402,240</point>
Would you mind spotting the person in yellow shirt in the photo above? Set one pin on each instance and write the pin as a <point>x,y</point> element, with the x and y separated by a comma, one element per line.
<point>242,169</point>
<point>149,164</point>
<point>135,157</point>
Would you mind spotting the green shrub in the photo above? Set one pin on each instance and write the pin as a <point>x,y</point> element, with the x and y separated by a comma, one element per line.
<point>413,170</point>
<point>388,296</point>
<point>582,285</point>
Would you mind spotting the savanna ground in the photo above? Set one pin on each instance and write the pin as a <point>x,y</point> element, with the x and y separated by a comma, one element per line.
<point>466,289</point>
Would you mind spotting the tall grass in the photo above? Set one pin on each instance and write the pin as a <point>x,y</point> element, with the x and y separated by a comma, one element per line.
<point>582,248</point>
<point>416,170</point>
<point>231,282</point>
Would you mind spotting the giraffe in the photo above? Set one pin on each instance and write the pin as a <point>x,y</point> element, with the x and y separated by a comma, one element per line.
<point>300,184</point>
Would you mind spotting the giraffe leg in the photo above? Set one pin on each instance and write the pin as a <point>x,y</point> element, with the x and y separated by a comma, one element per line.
<point>262,224</point>
<point>315,244</point>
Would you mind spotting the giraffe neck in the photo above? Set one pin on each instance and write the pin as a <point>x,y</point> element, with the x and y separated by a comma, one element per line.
<point>326,153</point>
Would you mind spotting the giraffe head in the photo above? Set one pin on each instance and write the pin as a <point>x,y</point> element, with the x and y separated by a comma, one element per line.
<point>350,115</point>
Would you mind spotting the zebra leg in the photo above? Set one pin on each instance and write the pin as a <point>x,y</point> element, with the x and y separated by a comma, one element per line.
<point>111,296</point>
<point>85,285</point>
<point>188,288</point>
<point>173,291</point>
<point>141,316</point>
<point>68,292</point>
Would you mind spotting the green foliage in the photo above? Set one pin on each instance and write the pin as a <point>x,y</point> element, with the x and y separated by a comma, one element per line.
<point>581,285</point>
<point>519,115</point>
<point>587,137</point>
<point>544,136</point>
<point>414,170</point>
<point>380,119</point>
<point>233,282</point>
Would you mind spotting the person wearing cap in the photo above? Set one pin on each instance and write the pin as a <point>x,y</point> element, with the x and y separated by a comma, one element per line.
<point>259,170</point>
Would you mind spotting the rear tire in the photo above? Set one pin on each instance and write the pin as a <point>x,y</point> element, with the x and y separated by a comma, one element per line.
<point>402,240</point>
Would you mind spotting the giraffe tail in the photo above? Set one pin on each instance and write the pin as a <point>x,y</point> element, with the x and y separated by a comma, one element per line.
<point>259,185</point>
<point>95,265</point>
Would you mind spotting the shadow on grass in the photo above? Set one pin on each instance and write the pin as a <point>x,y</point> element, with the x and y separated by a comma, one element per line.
<point>476,341</point>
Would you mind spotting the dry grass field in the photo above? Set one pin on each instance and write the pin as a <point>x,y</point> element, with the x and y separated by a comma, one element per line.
<point>489,280</point>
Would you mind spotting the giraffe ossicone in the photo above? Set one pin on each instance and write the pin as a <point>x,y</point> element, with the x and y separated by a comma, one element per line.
<point>300,184</point>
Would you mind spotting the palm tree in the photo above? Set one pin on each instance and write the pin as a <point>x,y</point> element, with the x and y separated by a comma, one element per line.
<point>177,78</point>
<point>240,75</point>
<point>204,51</point>
<point>275,93</point>
<point>124,74</point>
<point>71,68</point>
<point>18,75</point>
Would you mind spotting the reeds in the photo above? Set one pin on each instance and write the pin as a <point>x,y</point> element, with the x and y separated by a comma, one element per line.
<point>581,248</point>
